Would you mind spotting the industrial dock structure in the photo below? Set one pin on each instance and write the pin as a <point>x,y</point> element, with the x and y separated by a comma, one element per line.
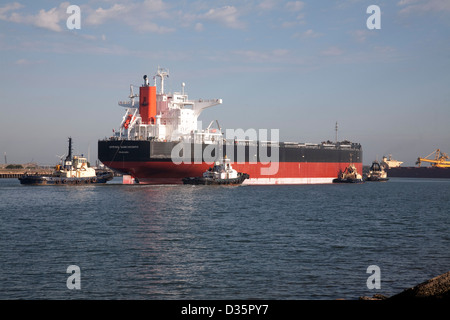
<point>439,167</point>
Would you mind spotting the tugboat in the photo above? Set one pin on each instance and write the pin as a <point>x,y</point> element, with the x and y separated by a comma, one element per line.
<point>221,173</point>
<point>350,175</point>
<point>376,173</point>
<point>73,171</point>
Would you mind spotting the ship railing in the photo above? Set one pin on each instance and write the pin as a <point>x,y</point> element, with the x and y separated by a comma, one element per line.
<point>205,136</point>
<point>307,144</point>
<point>204,100</point>
<point>244,142</point>
<point>292,144</point>
<point>269,143</point>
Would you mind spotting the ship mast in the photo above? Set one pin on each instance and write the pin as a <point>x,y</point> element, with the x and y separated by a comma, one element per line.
<point>162,73</point>
<point>68,161</point>
<point>336,128</point>
<point>69,155</point>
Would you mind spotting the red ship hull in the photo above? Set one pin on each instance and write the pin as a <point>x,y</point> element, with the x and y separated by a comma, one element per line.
<point>167,172</point>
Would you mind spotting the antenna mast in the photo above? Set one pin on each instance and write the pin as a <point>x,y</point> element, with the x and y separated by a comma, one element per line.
<point>69,155</point>
<point>336,132</point>
<point>162,73</point>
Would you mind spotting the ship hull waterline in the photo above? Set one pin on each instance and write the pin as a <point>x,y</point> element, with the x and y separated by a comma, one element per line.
<point>419,172</point>
<point>167,172</point>
<point>151,162</point>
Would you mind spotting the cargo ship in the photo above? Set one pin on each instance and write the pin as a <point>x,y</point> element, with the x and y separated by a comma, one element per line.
<point>439,167</point>
<point>159,141</point>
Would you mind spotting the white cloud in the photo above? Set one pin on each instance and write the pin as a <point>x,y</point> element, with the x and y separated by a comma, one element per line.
<point>9,7</point>
<point>360,35</point>
<point>308,34</point>
<point>50,19</point>
<point>43,19</point>
<point>420,6</point>
<point>22,62</point>
<point>227,16</point>
<point>154,5</point>
<point>295,5</point>
<point>198,26</point>
<point>252,55</point>
<point>268,4</point>
<point>142,16</point>
<point>155,16</point>
<point>100,15</point>
<point>26,62</point>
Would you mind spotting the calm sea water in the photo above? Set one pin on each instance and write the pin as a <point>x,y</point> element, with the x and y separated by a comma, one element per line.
<point>209,242</point>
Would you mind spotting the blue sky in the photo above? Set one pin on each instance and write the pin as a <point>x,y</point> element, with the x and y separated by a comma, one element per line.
<point>297,66</point>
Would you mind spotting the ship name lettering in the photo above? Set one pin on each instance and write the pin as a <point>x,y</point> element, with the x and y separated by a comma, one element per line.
<point>124,147</point>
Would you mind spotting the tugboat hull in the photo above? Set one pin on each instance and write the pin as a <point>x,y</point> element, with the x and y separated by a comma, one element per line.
<point>347,180</point>
<point>213,181</point>
<point>50,180</point>
<point>377,179</point>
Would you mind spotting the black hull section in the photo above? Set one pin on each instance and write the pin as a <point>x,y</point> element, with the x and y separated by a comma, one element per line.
<point>418,172</point>
<point>144,151</point>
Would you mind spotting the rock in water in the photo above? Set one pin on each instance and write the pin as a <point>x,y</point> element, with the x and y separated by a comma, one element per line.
<point>435,288</point>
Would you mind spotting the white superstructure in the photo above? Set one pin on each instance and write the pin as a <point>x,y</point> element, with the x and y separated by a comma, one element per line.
<point>391,163</point>
<point>221,170</point>
<point>77,167</point>
<point>165,116</point>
